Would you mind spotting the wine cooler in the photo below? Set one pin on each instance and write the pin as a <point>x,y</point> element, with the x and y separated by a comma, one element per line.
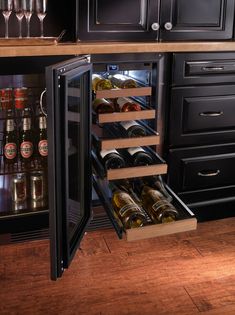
<point>104,118</point>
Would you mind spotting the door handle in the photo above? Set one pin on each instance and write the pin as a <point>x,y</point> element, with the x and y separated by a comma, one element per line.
<point>211,114</point>
<point>212,68</point>
<point>155,26</point>
<point>208,173</point>
<point>168,26</point>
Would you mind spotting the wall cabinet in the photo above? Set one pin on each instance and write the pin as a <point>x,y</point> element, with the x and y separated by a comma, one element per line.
<point>155,20</point>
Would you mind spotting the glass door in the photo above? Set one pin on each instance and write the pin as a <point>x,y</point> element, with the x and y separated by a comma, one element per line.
<point>69,166</point>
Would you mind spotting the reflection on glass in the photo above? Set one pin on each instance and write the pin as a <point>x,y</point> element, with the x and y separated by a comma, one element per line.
<point>75,213</point>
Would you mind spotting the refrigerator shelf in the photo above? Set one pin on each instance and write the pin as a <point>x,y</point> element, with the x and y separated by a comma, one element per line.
<point>114,93</point>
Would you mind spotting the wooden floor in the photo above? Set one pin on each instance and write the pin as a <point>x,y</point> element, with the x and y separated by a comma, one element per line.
<point>184,274</point>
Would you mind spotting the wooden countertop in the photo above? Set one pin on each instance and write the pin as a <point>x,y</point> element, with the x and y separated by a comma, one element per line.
<point>12,49</point>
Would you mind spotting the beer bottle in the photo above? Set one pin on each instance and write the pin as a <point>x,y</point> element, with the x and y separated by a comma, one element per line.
<point>127,105</point>
<point>126,208</point>
<point>100,83</point>
<point>122,81</point>
<point>42,145</point>
<point>157,207</point>
<point>10,139</point>
<point>26,137</point>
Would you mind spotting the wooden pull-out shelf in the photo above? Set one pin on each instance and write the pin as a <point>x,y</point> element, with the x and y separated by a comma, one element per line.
<point>186,221</point>
<point>114,93</point>
<point>115,117</point>
<point>121,143</point>
<point>158,168</point>
<point>140,171</point>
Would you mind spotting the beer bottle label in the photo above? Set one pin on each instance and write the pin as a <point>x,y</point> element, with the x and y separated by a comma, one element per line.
<point>10,125</point>
<point>42,122</point>
<point>43,147</point>
<point>26,149</point>
<point>26,123</point>
<point>10,150</point>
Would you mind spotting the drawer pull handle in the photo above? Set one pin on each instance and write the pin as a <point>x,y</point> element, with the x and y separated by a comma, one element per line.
<point>208,173</point>
<point>212,68</point>
<point>211,114</point>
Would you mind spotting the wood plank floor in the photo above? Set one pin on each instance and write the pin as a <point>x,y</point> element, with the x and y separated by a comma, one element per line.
<point>184,274</point>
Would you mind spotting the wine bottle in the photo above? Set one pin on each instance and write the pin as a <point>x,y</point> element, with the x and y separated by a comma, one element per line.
<point>122,81</point>
<point>42,144</point>
<point>100,83</point>
<point>102,106</point>
<point>10,139</point>
<point>139,156</point>
<point>158,208</point>
<point>127,105</point>
<point>111,159</point>
<point>126,208</point>
<point>157,182</point>
<point>133,129</point>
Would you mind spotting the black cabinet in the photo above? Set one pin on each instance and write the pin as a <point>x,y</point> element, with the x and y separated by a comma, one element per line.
<point>154,19</point>
<point>118,20</point>
<point>201,128</point>
<point>196,20</point>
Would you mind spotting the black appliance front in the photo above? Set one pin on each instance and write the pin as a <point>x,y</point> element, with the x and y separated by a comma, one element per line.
<point>68,93</point>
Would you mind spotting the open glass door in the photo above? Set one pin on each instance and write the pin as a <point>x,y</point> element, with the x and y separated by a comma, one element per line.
<point>69,163</point>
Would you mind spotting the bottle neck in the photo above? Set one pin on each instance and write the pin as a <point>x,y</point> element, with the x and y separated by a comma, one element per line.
<point>26,123</point>
<point>10,125</point>
<point>42,122</point>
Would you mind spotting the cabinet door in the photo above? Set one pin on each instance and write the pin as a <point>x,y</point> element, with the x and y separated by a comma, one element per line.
<point>68,94</point>
<point>201,19</point>
<point>118,20</point>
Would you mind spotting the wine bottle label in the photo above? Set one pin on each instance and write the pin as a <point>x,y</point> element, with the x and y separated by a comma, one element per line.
<point>132,151</point>
<point>103,153</point>
<point>10,150</point>
<point>10,125</point>
<point>127,208</point>
<point>26,149</point>
<point>127,124</point>
<point>42,122</point>
<point>121,101</point>
<point>26,123</point>
<point>43,148</point>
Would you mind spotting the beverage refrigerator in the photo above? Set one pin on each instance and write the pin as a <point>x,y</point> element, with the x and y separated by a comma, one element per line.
<point>78,181</point>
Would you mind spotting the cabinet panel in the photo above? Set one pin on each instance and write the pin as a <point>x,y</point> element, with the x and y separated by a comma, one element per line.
<point>202,115</point>
<point>202,19</point>
<point>201,167</point>
<point>117,20</point>
<point>203,68</point>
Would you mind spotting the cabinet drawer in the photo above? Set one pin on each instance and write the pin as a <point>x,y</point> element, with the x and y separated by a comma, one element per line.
<point>202,115</point>
<point>203,68</point>
<point>201,167</point>
<point>186,222</point>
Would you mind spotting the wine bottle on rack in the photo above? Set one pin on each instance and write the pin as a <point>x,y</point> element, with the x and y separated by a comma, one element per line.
<point>10,139</point>
<point>157,182</point>
<point>129,212</point>
<point>112,159</point>
<point>102,106</point>
<point>133,129</point>
<point>100,83</point>
<point>122,81</point>
<point>157,207</point>
<point>139,156</point>
<point>125,104</point>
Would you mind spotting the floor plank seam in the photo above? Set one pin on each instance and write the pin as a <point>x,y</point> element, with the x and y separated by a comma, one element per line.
<point>106,245</point>
<point>191,299</point>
